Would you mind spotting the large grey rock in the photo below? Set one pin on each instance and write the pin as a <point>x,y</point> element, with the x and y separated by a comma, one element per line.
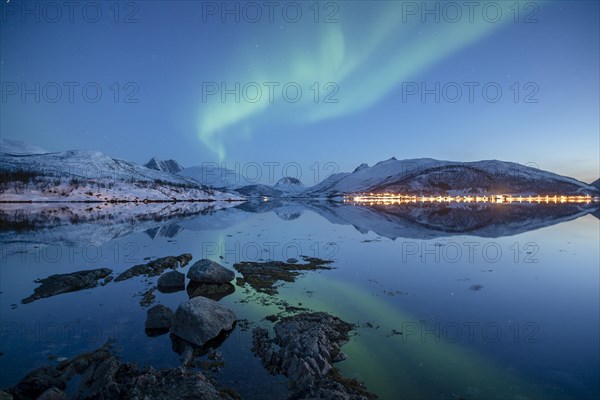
<point>207,271</point>
<point>199,320</point>
<point>158,320</point>
<point>172,281</point>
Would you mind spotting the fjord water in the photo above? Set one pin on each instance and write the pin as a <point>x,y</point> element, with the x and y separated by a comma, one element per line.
<point>437,316</point>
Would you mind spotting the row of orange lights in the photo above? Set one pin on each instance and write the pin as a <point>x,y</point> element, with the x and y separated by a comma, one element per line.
<point>392,198</point>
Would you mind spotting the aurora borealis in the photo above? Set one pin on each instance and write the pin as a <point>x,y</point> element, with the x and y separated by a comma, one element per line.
<point>365,64</point>
<point>377,79</point>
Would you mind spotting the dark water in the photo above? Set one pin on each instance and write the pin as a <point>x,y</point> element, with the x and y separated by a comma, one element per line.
<point>478,303</point>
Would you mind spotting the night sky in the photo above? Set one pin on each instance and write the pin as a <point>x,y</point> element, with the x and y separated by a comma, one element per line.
<point>377,79</point>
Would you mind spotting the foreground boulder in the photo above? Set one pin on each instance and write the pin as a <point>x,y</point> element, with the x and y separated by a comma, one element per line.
<point>172,281</point>
<point>304,348</point>
<point>65,283</point>
<point>210,272</point>
<point>200,319</point>
<point>102,376</point>
<point>155,267</point>
<point>158,320</point>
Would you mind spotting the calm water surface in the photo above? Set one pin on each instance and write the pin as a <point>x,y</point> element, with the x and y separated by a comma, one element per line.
<point>438,315</point>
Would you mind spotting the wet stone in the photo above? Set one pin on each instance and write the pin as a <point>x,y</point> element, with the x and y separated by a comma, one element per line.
<point>66,283</point>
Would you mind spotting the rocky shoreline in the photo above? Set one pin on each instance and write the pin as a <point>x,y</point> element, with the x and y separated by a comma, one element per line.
<point>305,346</point>
<point>101,375</point>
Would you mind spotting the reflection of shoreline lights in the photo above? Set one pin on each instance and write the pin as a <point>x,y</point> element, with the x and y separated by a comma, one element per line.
<point>393,198</point>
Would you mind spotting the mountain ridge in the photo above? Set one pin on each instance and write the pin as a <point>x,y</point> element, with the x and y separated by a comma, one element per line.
<point>170,165</point>
<point>429,176</point>
<point>85,175</point>
<point>418,176</point>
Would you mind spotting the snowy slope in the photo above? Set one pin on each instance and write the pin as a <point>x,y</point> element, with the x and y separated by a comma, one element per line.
<point>424,176</point>
<point>18,147</point>
<point>80,175</point>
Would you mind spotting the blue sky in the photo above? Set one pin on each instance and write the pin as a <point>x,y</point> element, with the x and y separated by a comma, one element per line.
<point>378,79</point>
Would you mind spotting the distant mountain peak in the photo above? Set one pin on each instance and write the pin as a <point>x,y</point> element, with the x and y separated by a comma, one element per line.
<point>171,166</point>
<point>391,159</point>
<point>289,181</point>
<point>361,167</point>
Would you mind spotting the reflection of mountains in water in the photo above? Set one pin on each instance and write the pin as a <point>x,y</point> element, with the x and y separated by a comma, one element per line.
<point>433,219</point>
<point>94,224</point>
<point>488,220</point>
<point>77,223</point>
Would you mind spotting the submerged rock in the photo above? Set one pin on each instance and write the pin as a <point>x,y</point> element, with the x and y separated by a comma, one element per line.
<point>213,292</point>
<point>172,281</point>
<point>158,320</point>
<point>102,376</point>
<point>263,276</point>
<point>156,267</point>
<point>210,272</point>
<point>200,319</point>
<point>174,383</point>
<point>190,352</point>
<point>304,348</point>
<point>147,297</point>
<point>65,283</point>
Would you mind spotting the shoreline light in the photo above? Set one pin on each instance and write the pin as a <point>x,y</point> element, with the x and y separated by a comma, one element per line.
<point>395,198</point>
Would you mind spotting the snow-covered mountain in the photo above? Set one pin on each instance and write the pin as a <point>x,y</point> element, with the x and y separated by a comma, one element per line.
<point>286,187</point>
<point>32,173</point>
<point>596,183</point>
<point>81,175</point>
<point>171,166</point>
<point>18,147</point>
<point>290,184</point>
<point>429,176</point>
<point>426,176</point>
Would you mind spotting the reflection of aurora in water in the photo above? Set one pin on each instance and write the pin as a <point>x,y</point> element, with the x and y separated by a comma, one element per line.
<point>392,198</point>
<point>370,357</point>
